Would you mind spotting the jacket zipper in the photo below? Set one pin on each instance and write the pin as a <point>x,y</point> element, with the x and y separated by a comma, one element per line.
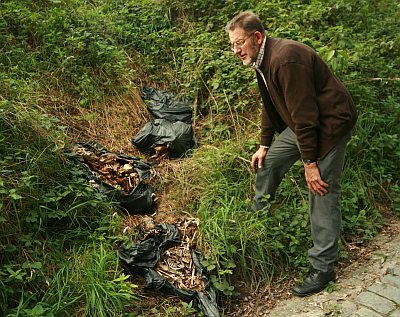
<point>265,82</point>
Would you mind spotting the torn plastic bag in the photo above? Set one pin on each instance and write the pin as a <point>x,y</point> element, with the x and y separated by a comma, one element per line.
<point>165,105</point>
<point>148,252</point>
<point>178,136</point>
<point>143,257</point>
<point>101,168</point>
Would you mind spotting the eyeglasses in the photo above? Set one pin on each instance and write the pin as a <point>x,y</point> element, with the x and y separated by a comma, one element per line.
<point>240,43</point>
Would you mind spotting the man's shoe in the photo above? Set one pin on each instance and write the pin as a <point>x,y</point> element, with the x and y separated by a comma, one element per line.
<point>315,282</point>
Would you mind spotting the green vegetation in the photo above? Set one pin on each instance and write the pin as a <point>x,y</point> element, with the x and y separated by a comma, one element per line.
<point>58,236</point>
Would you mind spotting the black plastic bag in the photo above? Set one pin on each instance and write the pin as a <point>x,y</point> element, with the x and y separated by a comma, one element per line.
<point>138,199</point>
<point>143,257</point>
<point>148,253</point>
<point>165,105</point>
<point>178,136</point>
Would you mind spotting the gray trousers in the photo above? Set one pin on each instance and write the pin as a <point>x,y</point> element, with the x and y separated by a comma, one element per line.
<point>325,215</point>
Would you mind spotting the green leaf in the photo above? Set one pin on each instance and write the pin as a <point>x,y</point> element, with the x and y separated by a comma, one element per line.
<point>330,54</point>
<point>36,311</point>
<point>58,214</point>
<point>211,267</point>
<point>37,265</point>
<point>10,248</point>
<point>12,193</point>
<point>121,278</point>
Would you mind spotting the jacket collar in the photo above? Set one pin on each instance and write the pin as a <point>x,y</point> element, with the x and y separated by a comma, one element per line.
<point>260,56</point>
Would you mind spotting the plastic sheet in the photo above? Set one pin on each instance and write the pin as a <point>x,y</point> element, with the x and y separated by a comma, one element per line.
<point>143,257</point>
<point>171,132</point>
<point>165,105</point>
<point>138,199</point>
<point>177,136</point>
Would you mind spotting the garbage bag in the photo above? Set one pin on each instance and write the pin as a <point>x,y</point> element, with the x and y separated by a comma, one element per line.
<point>165,105</point>
<point>148,253</point>
<point>178,136</point>
<point>119,177</point>
<point>142,258</point>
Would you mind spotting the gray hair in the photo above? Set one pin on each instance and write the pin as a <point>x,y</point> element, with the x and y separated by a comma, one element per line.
<point>246,20</point>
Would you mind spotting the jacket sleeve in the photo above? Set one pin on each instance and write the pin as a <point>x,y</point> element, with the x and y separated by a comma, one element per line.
<point>296,81</point>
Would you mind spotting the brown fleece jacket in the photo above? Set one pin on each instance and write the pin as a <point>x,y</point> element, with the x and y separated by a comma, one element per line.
<point>302,93</point>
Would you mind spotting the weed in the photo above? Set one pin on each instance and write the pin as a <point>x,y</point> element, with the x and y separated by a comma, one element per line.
<point>333,311</point>
<point>73,61</point>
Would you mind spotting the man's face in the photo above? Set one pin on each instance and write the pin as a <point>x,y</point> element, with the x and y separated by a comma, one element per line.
<point>244,45</point>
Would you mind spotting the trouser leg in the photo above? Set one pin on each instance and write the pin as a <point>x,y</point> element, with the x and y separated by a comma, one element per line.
<point>280,157</point>
<point>325,214</point>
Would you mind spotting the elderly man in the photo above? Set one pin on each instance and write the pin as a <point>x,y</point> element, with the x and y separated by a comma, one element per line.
<point>314,114</point>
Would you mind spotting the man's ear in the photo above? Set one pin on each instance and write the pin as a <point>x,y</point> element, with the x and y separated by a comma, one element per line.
<point>259,37</point>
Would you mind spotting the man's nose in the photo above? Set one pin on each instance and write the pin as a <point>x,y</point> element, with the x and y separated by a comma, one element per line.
<point>236,49</point>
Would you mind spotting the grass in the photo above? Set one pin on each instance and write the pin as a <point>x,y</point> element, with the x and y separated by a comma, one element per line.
<point>91,284</point>
<point>255,243</point>
<point>69,70</point>
<point>261,249</point>
<point>47,210</point>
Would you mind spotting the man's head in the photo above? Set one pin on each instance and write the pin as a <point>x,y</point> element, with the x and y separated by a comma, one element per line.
<point>246,33</point>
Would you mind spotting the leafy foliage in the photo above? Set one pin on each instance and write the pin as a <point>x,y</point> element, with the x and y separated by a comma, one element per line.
<point>58,55</point>
<point>340,38</point>
<point>46,208</point>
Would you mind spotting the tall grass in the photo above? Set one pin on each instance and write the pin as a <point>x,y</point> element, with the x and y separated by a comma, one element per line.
<point>261,246</point>
<point>76,62</point>
<point>91,284</point>
<point>258,244</point>
<point>48,209</point>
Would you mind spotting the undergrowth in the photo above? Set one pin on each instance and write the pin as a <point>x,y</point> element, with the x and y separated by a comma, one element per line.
<point>60,60</point>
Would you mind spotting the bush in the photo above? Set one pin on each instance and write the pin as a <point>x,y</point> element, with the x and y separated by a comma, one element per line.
<point>56,57</point>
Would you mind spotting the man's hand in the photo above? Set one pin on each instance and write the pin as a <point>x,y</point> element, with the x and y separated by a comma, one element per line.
<point>314,180</point>
<point>258,158</point>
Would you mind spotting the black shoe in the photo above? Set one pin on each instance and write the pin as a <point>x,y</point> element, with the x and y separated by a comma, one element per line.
<point>315,282</point>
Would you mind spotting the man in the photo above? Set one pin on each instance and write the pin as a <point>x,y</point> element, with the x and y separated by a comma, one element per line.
<point>314,114</point>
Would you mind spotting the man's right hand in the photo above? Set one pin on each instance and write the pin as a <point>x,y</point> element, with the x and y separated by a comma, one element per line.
<point>258,158</point>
